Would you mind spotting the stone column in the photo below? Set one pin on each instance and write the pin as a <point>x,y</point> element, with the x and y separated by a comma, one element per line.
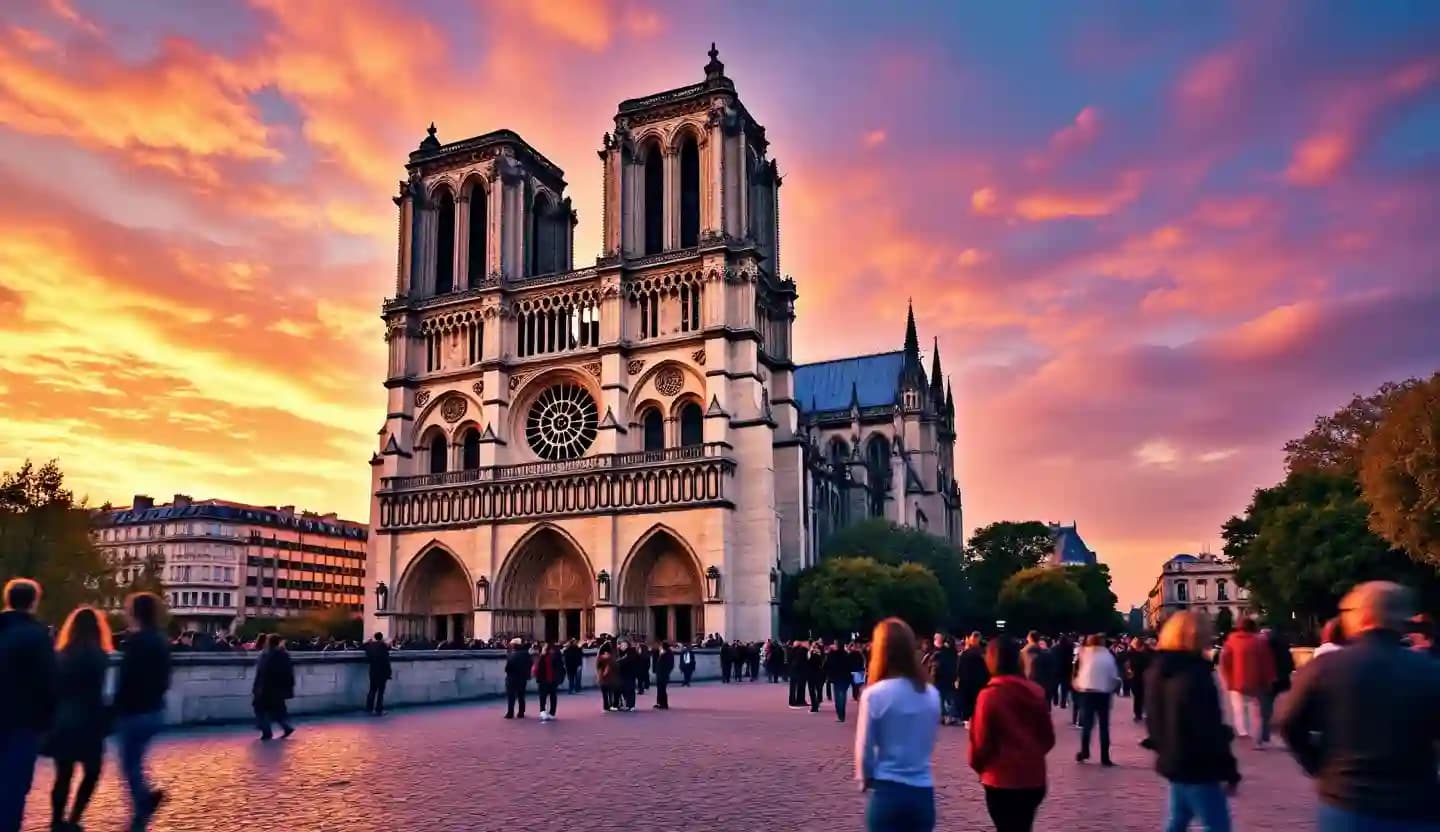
<point>713,218</point>
<point>671,188</point>
<point>461,268</point>
<point>405,204</point>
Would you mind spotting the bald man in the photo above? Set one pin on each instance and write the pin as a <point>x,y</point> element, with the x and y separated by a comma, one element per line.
<point>1364,721</point>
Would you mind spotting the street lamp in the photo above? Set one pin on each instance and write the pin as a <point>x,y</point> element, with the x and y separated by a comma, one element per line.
<point>482,593</point>
<point>602,586</point>
<point>774,584</point>
<point>712,583</point>
<point>382,594</point>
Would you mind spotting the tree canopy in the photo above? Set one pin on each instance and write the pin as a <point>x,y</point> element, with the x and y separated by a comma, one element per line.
<point>848,595</point>
<point>894,545</point>
<point>45,535</point>
<point>1400,472</point>
<point>1337,442</point>
<point>1302,544</point>
<point>1099,615</point>
<point>996,552</point>
<point>1039,598</point>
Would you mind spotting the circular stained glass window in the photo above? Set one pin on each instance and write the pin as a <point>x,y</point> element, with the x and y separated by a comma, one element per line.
<point>562,422</point>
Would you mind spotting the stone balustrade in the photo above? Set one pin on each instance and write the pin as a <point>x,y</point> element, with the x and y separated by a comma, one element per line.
<point>207,688</point>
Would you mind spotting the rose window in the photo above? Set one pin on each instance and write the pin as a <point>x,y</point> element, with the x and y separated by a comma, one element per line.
<point>562,423</point>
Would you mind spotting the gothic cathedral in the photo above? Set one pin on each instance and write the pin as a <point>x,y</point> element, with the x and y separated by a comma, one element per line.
<point>627,447</point>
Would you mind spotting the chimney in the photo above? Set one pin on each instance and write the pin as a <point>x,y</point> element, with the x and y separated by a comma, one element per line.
<point>181,500</point>
<point>287,509</point>
<point>141,502</point>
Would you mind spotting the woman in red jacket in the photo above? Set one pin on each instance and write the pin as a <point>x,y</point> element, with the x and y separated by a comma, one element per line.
<point>1010,735</point>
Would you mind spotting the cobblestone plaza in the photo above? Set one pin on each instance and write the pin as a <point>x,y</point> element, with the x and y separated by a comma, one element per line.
<point>725,757</point>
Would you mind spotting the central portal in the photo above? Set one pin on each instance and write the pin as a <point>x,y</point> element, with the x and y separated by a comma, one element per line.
<point>547,592</point>
<point>660,597</point>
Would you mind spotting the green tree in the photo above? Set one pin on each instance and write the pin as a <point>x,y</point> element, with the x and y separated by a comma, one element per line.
<point>1400,472</point>
<point>331,622</point>
<point>1100,615</point>
<point>1224,621</point>
<point>1039,598</point>
<point>1304,543</point>
<point>996,552</point>
<point>45,535</point>
<point>847,595</point>
<point>1336,443</point>
<point>894,545</point>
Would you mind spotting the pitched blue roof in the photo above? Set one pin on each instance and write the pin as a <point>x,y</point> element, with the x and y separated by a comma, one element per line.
<point>211,511</point>
<point>1071,549</point>
<point>826,385</point>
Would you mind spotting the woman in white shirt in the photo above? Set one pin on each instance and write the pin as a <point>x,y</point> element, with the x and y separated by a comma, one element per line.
<point>1096,680</point>
<point>895,738</point>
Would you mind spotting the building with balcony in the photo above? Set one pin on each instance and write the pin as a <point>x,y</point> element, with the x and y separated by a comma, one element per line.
<point>1203,583</point>
<point>222,562</point>
<point>627,447</point>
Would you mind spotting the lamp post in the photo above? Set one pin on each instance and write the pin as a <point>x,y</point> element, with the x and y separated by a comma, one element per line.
<point>382,595</point>
<point>774,584</point>
<point>712,583</point>
<point>482,593</point>
<point>602,586</point>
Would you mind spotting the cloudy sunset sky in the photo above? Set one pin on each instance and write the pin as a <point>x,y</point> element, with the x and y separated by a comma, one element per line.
<point>1154,240</point>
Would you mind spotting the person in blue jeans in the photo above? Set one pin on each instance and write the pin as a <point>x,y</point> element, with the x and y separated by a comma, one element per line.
<point>895,740</point>
<point>1185,727</point>
<point>837,673</point>
<point>139,705</point>
<point>27,696</point>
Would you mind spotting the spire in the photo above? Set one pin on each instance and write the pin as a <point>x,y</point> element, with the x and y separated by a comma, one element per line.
<point>937,385</point>
<point>912,341</point>
<point>949,401</point>
<point>429,142</point>
<point>714,69</point>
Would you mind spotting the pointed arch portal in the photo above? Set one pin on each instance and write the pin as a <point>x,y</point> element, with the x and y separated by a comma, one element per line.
<point>546,590</point>
<point>660,590</point>
<point>436,600</point>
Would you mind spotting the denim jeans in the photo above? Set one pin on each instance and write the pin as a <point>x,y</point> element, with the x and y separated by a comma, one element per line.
<point>1205,801</point>
<point>18,750</point>
<point>1332,819</point>
<point>895,807</point>
<point>135,731</point>
<point>842,692</point>
<point>1095,707</point>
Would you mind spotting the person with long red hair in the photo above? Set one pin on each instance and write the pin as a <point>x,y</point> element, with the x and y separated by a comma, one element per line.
<point>895,738</point>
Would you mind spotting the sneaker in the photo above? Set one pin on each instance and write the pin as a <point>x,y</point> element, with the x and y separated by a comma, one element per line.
<point>544,717</point>
<point>966,723</point>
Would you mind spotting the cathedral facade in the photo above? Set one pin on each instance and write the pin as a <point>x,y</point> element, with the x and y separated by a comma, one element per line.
<point>626,447</point>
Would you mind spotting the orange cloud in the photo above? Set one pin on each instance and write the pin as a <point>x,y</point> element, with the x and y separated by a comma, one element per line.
<point>983,200</point>
<point>1317,159</point>
<point>1210,80</point>
<point>1081,132</point>
<point>1053,205</point>
<point>873,138</point>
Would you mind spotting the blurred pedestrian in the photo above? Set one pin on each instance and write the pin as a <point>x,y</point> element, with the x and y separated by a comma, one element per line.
<point>815,674</point>
<point>971,675</point>
<point>77,737</point>
<point>607,677</point>
<point>549,672</point>
<point>574,661</point>
<point>1186,729</point>
<point>1365,721</point>
<point>1332,638</point>
<point>274,687</point>
<point>837,674</point>
<point>1248,669</point>
<point>139,703</point>
<point>1139,659</point>
<point>895,739</point>
<point>517,677</point>
<point>687,665</point>
<point>27,696</point>
<point>1096,680</point>
<point>1010,734</point>
<point>664,665</point>
<point>377,658</point>
<point>1036,663</point>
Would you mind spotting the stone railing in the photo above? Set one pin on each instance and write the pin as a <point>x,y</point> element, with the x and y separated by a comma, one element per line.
<point>678,477</point>
<point>215,687</point>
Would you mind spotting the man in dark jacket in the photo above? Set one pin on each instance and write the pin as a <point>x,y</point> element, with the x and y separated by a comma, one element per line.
<point>27,695</point>
<point>1037,663</point>
<point>972,675</point>
<point>752,655</point>
<point>517,676</point>
<point>139,702</point>
<point>1365,721</point>
<point>377,656</point>
<point>1284,667</point>
<point>687,665</point>
<point>1139,656</point>
<point>274,686</point>
<point>815,674</point>
<point>627,662</point>
<point>1062,657</point>
<point>837,675</point>
<point>796,658</point>
<point>664,663</point>
<point>727,659</point>
<point>574,660</point>
<point>943,665</point>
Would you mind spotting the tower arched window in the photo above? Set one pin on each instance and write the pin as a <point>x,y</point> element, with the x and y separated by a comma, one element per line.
<point>654,199</point>
<point>654,429</point>
<point>479,213</point>
<point>444,242</point>
<point>689,191</point>
<point>437,453</point>
<point>877,461</point>
<point>839,451</point>
<point>541,237</point>
<point>470,450</point>
<point>692,425</point>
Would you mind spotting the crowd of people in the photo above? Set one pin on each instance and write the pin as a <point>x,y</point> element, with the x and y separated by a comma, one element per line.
<point>1361,717</point>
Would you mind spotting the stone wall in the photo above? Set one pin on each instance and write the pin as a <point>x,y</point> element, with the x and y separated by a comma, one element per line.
<point>215,687</point>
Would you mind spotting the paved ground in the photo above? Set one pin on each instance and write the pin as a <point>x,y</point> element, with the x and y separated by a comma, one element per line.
<point>725,757</point>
